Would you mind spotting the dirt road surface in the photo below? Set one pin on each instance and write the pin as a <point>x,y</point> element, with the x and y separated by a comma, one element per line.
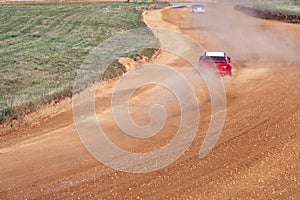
<point>256,157</point>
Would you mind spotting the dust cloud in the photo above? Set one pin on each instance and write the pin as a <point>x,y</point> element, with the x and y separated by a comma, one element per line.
<point>247,38</point>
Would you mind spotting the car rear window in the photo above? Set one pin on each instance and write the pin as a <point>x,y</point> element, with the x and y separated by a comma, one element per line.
<point>213,59</point>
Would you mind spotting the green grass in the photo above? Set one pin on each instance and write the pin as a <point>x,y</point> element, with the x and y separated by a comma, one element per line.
<point>286,6</point>
<point>42,46</point>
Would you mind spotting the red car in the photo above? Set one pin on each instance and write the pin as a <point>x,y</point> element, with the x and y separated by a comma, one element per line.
<point>218,61</point>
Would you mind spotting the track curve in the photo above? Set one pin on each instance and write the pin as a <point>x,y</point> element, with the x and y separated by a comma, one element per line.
<point>256,157</point>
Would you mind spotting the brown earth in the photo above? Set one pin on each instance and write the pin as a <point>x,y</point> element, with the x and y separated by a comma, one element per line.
<point>256,157</point>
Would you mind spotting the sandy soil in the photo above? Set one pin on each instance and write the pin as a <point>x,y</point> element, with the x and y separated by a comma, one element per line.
<point>256,157</point>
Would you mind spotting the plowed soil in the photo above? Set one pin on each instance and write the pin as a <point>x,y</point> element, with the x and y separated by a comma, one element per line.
<point>256,157</point>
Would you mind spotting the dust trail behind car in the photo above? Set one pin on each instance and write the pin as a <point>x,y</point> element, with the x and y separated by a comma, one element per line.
<point>246,40</point>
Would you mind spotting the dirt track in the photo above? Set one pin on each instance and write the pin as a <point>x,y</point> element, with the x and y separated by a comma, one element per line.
<point>256,157</point>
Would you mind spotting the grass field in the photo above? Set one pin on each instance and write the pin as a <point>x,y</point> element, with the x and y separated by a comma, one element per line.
<point>42,46</point>
<point>286,6</point>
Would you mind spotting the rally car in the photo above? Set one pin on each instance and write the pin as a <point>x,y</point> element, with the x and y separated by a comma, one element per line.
<point>198,9</point>
<point>218,62</point>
